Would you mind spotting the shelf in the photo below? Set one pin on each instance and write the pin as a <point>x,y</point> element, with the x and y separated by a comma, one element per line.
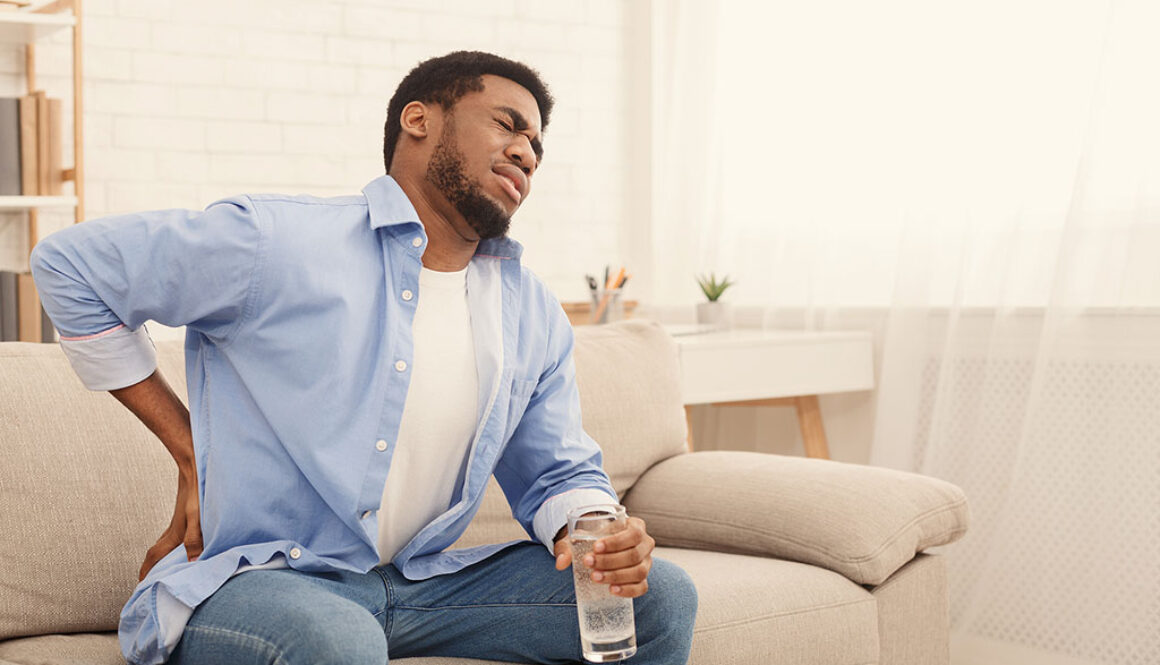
<point>24,27</point>
<point>27,202</point>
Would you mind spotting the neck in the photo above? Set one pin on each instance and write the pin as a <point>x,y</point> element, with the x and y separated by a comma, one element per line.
<point>448,250</point>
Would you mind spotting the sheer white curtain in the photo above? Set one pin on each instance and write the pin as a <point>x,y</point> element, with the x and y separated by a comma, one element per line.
<point>980,183</point>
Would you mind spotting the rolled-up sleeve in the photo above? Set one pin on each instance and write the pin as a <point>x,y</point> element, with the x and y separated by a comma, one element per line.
<point>551,465</point>
<point>101,280</point>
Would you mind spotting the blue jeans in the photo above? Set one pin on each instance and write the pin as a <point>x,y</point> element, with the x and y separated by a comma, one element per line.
<point>514,606</point>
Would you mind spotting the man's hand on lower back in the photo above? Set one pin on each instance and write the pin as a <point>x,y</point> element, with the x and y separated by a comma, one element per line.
<point>621,560</point>
<point>155,405</point>
<point>183,529</point>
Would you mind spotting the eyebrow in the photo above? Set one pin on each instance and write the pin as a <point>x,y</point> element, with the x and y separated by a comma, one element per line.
<point>521,123</point>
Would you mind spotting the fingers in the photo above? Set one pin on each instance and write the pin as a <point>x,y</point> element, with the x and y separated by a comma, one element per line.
<point>623,560</point>
<point>624,576</point>
<point>630,590</point>
<point>193,543</point>
<point>629,538</point>
<point>563,552</point>
<point>166,544</point>
<point>192,540</point>
<point>192,531</point>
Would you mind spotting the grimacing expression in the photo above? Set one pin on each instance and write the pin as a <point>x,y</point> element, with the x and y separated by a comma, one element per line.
<point>446,171</point>
<point>487,151</point>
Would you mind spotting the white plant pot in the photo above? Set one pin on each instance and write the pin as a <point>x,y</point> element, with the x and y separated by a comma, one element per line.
<point>718,314</point>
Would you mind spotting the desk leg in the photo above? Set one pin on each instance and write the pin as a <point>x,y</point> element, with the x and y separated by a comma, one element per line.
<point>810,421</point>
<point>688,428</point>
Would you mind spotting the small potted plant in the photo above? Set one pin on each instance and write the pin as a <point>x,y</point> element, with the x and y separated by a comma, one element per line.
<point>714,312</point>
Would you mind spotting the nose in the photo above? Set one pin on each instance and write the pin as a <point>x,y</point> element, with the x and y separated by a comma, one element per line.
<point>521,153</point>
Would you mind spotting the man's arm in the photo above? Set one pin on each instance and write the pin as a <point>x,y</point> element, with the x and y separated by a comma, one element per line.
<point>551,466</point>
<point>100,281</point>
<point>155,404</point>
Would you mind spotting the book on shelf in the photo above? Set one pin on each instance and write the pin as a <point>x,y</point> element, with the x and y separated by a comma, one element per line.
<point>10,184</point>
<point>9,325</point>
<point>30,146</point>
<point>22,319</point>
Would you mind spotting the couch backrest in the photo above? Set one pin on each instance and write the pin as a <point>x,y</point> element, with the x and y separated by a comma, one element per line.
<point>85,489</point>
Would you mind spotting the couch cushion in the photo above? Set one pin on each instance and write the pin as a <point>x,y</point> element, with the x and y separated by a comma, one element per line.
<point>629,376</point>
<point>750,610</point>
<point>102,649</point>
<point>85,490</point>
<point>773,612</point>
<point>864,522</point>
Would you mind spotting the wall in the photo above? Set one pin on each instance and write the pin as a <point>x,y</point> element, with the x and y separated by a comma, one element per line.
<point>187,102</point>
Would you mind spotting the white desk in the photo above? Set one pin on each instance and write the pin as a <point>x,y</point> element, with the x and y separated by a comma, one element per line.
<point>775,368</point>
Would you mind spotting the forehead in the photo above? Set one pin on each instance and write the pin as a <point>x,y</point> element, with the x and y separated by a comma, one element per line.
<point>500,92</point>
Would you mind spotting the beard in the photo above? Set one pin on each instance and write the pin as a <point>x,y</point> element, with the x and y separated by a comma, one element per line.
<point>446,172</point>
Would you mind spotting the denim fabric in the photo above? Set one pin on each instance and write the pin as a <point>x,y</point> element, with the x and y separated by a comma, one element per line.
<point>514,606</point>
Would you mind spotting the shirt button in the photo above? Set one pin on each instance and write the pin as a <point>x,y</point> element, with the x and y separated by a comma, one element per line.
<point>400,365</point>
<point>407,295</point>
<point>380,445</point>
<point>416,241</point>
<point>366,514</point>
<point>295,552</point>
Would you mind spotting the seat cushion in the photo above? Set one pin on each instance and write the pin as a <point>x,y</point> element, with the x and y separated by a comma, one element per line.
<point>751,611</point>
<point>759,611</point>
<point>78,649</point>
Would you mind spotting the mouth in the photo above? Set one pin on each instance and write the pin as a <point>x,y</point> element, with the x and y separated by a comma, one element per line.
<point>512,180</point>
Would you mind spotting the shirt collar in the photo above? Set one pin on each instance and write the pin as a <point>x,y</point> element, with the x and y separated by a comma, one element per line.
<point>389,206</point>
<point>388,203</point>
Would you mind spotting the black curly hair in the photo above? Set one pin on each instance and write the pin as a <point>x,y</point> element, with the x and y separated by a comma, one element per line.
<point>445,79</point>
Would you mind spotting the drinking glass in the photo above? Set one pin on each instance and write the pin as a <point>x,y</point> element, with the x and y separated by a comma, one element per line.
<point>607,628</point>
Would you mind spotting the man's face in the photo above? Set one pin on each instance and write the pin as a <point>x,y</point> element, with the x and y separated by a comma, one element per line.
<point>487,151</point>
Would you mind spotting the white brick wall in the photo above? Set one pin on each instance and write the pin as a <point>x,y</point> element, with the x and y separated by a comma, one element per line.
<point>187,102</point>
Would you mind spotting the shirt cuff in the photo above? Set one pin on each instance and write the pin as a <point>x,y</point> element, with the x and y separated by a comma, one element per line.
<point>113,359</point>
<point>553,513</point>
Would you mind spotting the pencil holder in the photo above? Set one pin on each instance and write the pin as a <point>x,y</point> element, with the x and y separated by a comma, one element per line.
<point>607,306</point>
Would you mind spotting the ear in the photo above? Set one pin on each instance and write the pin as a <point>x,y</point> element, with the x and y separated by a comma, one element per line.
<point>415,120</point>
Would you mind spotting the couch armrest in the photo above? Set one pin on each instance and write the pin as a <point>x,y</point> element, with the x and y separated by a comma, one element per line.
<point>861,521</point>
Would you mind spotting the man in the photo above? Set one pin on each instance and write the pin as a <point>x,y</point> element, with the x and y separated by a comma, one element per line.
<point>358,367</point>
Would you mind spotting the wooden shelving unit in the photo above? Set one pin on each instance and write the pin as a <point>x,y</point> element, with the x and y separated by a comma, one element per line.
<point>26,26</point>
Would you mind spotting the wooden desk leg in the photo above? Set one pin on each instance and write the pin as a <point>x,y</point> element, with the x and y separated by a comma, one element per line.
<point>688,428</point>
<point>810,421</point>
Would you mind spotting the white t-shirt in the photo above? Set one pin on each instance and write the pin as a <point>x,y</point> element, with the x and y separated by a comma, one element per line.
<point>440,414</point>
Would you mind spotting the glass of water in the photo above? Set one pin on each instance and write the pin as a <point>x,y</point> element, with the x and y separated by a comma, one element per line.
<point>607,628</point>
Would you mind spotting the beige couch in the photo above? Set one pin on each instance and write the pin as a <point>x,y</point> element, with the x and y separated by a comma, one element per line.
<point>795,561</point>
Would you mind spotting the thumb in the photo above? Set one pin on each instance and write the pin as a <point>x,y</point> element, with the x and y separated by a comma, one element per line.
<point>563,552</point>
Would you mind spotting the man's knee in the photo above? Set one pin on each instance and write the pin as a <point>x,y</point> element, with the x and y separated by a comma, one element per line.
<point>341,636</point>
<point>671,601</point>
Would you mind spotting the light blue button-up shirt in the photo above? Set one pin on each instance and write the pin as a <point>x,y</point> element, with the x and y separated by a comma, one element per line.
<point>298,352</point>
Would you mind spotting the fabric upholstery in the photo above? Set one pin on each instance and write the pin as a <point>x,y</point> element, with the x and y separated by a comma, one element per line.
<point>786,612</point>
<point>913,614</point>
<point>630,396</point>
<point>754,610</point>
<point>85,490</point>
<point>863,522</point>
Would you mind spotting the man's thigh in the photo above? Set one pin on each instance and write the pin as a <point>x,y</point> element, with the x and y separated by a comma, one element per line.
<point>515,606</point>
<point>288,617</point>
